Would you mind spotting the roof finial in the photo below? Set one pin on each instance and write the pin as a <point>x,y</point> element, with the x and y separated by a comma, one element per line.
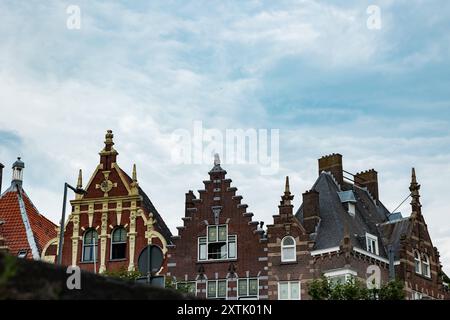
<point>134,173</point>
<point>286,188</point>
<point>109,138</point>
<point>414,188</point>
<point>216,159</point>
<point>287,197</point>
<point>413,176</point>
<point>80,180</point>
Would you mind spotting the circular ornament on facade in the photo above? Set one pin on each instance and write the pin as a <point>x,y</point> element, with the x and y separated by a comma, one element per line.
<point>106,185</point>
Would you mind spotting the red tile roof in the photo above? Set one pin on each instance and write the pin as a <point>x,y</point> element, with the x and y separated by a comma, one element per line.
<point>13,229</point>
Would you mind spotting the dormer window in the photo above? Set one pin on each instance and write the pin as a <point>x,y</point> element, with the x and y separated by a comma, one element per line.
<point>351,209</point>
<point>372,243</point>
<point>349,201</point>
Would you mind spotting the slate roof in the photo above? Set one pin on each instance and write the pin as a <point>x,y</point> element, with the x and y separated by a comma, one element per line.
<point>13,228</point>
<point>334,216</point>
<point>392,231</point>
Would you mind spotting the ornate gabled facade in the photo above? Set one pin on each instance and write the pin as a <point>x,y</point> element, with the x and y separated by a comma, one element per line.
<point>24,231</point>
<point>220,252</point>
<point>342,230</point>
<point>419,261</point>
<point>113,221</point>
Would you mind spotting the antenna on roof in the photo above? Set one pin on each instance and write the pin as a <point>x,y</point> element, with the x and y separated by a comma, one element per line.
<point>395,210</point>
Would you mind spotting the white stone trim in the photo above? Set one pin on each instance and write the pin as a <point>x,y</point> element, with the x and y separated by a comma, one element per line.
<point>325,251</point>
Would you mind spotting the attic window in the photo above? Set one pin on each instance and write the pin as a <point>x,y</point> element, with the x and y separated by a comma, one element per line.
<point>22,254</point>
<point>351,209</point>
<point>349,201</point>
<point>372,243</point>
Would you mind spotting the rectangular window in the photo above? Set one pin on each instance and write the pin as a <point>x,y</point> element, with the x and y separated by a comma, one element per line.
<point>372,243</point>
<point>217,289</point>
<point>188,287</point>
<point>248,288</point>
<point>289,290</point>
<point>232,247</point>
<point>351,209</point>
<point>417,295</point>
<point>217,245</point>
<point>212,233</point>
<point>202,248</point>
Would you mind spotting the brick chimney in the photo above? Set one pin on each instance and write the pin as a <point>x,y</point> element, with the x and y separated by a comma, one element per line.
<point>311,210</point>
<point>332,163</point>
<point>369,180</point>
<point>1,177</point>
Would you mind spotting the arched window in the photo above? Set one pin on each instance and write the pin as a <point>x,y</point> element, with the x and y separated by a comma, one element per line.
<point>118,243</point>
<point>417,262</point>
<point>426,266</point>
<point>288,250</point>
<point>90,252</point>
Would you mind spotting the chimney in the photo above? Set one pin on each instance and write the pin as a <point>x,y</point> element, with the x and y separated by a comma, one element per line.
<point>311,211</point>
<point>369,180</point>
<point>1,177</point>
<point>332,163</point>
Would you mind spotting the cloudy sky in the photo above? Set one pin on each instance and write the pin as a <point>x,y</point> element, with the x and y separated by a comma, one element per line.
<point>312,69</point>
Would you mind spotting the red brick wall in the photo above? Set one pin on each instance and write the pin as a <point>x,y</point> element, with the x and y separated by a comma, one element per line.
<point>251,249</point>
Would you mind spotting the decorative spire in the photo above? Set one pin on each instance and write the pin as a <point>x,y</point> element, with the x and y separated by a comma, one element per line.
<point>414,188</point>
<point>216,159</point>
<point>217,168</point>
<point>286,187</point>
<point>80,180</point>
<point>134,184</point>
<point>134,173</point>
<point>287,197</point>
<point>109,139</point>
<point>108,155</point>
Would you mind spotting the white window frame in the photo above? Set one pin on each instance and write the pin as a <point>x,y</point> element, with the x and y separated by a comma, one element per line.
<point>227,242</point>
<point>290,283</point>
<point>371,237</point>
<point>217,289</point>
<point>248,296</point>
<point>95,245</point>
<point>426,262</point>
<point>292,246</point>
<point>347,273</point>
<point>22,254</point>
<point>351,209</point>
<point>187,282</point>
<point>417,295</point>
<point>417,262</point>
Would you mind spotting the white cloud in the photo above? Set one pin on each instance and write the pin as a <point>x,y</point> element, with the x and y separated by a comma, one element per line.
<point>145,73</point>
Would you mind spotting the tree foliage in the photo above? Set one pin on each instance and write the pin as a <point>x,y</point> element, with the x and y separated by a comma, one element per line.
<point>353,289</point>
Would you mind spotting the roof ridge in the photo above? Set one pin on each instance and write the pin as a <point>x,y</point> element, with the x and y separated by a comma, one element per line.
<point>28,229</point>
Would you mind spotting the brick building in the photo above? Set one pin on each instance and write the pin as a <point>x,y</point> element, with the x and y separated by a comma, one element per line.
<point>343,230</point>
<point>111,224</point>
<point>220,252</point>
<point>24,231</point>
